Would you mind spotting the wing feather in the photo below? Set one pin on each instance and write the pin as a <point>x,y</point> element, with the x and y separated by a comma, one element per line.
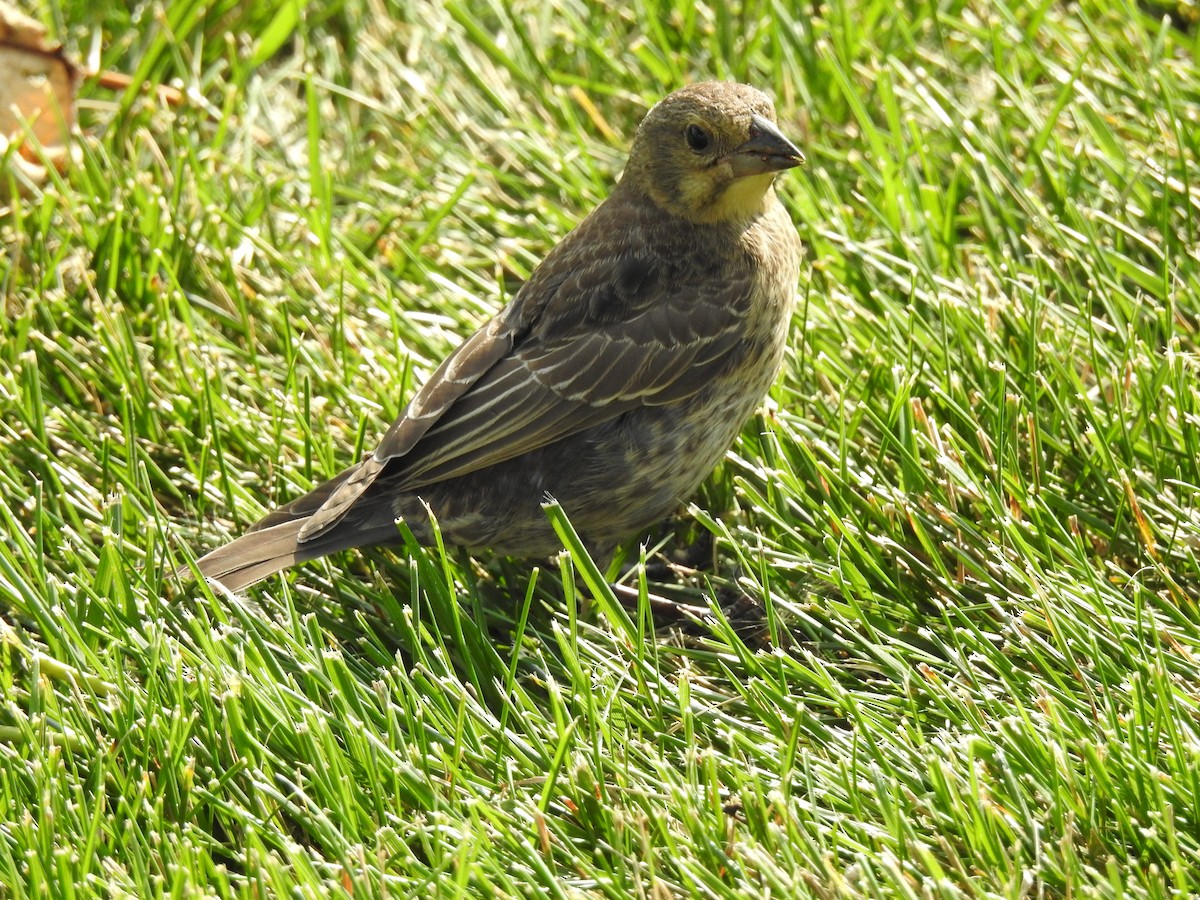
<point>579,345</point>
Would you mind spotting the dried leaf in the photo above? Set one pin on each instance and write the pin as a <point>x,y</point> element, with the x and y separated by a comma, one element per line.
<point>37,93</point>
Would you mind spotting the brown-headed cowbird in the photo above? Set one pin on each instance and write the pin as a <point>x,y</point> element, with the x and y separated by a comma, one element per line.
<point>614,381</point>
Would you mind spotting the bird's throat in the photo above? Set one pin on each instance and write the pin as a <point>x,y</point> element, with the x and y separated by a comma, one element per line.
<point>741,200</point>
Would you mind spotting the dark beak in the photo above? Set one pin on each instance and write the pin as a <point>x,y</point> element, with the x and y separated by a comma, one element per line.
<point>767,150</point>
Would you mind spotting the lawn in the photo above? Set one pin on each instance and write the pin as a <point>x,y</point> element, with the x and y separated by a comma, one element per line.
<point>932,628</point>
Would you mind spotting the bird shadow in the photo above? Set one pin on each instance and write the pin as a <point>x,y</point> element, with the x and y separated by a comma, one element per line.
<point>684,593</point>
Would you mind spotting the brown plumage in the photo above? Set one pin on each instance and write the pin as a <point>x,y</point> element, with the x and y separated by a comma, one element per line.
<point>614,381</point>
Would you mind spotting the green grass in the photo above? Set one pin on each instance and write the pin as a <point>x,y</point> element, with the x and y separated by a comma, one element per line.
<point>950,645</point>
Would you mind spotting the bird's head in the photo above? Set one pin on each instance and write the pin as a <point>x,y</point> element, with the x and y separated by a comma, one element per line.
<point>709,152</point>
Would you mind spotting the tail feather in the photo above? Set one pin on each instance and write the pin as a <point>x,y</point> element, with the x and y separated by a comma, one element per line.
<point>265,551</point>
<point>273,542</point>
<point>257,554</point>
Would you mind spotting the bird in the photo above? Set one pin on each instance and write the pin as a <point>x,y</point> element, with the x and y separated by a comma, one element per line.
<point>615,379</point>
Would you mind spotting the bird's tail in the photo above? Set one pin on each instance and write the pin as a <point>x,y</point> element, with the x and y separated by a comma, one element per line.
<point>273,543</point>
<point>257,554</point>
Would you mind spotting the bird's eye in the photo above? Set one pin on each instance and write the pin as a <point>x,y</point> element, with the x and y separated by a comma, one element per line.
<point>697,138</point>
